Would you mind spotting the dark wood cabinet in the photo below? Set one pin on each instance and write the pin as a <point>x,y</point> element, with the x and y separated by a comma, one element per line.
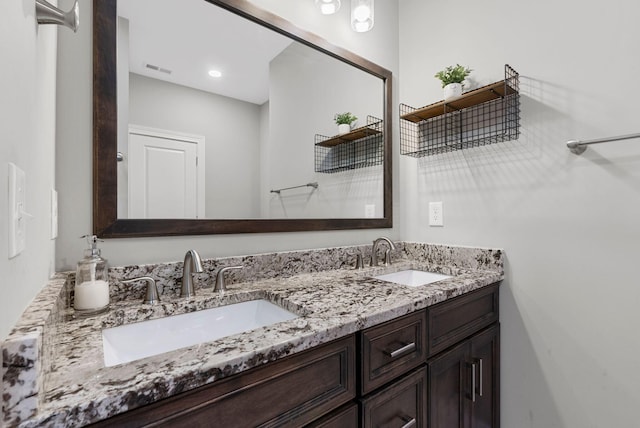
<point>455,320</point>
<point>345,417</point>
<point>392,349</point>
<point>464,383</point>
<point>436,368</point>
<point>290,392</point>
<point>401,404</point>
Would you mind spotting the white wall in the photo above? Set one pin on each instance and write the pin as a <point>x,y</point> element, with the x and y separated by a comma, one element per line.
<point>231,129</point>
<point>327,86</point>
<point>569,224</point>
<point>75,136</point>
<point>27,134</point>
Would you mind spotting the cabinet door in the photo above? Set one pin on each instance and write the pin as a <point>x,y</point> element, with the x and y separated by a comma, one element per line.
<point>485,354</point>
<point>464,383</point>
<point>449,380</point>
<point>401,404</point>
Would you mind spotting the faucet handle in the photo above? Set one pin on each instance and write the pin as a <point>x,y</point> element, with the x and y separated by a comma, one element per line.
<point>387,257</point>
<point>152,296</point>
<point>359,260</point>
<point>220,285</point>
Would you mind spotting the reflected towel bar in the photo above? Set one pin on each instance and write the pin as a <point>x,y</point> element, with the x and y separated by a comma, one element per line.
<point>578,147</point>
<point>314,185</point>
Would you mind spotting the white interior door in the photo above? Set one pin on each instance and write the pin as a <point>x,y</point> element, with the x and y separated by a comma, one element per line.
<point>166,174</point>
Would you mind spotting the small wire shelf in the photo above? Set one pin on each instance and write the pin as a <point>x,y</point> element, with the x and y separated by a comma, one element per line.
<point>363,147</point>
<point>487,115</point>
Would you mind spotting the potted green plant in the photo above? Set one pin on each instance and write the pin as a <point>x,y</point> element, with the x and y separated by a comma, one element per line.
<point>452,78</point>
<point>346,122</point>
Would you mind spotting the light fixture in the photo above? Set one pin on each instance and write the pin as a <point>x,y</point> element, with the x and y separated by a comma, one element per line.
<point>361,15</point>
<point>215,73</point>
<point>328,7</point>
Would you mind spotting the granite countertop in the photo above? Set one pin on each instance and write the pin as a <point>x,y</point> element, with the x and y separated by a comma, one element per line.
<point>79,389</point>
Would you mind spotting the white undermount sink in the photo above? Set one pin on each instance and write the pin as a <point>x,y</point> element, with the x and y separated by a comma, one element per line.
<point>412,278</point>
<point>131,342</point>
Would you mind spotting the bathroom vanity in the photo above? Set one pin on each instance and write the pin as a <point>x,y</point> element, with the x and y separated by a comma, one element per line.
<point>361,352</point>
<point>400,371</point>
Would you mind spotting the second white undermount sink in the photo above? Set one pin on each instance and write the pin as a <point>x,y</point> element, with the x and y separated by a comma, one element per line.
<point>412,278</point>
<point>132,342</point>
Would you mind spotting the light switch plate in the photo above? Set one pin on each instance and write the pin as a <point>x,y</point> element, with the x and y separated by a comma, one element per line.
<point>17,219</point>
<point>436,217</point>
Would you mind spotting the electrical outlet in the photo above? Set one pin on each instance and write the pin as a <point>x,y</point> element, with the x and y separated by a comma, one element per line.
<point>436,217</point>
<point>369,211</point>
<point>17,217</point>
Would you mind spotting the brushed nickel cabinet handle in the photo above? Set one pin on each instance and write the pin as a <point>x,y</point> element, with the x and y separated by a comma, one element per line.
<point>404,350</point>
<point>473,382</point>
<point>410,424</point>
<point>480,380</point>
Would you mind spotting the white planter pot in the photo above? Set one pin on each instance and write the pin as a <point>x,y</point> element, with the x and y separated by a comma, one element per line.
<point>452,91</point>
<point>344,128</point>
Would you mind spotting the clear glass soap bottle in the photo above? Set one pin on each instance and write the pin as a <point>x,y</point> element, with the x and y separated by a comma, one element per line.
<point>91,292</point>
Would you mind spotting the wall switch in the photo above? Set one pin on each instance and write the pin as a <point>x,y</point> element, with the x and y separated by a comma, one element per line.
<point>435,214</point>
<point>54,214</point>
<point>17,215</point>
<point>369,211</point>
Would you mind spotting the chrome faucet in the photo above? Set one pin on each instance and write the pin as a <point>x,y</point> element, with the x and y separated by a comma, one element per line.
<point>387,254</point>
<point>192,264</point>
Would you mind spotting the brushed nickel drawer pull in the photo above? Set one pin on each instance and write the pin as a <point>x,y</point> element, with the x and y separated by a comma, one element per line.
<point>410,424</point>
<point>405,349</point>
<point>480,381</point>
<point>473,382</point>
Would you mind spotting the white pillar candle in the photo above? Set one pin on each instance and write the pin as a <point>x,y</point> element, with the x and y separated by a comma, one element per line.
<point>91,295</point>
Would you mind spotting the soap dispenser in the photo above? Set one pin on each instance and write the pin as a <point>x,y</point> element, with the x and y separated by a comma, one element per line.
<point>91,292</point>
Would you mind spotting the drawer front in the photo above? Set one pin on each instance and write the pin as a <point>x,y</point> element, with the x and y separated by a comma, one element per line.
<point>392,349</point>
<point>345,417</point>
<point>287,393</point>
<point>461,317</point>
<point>401,404</point>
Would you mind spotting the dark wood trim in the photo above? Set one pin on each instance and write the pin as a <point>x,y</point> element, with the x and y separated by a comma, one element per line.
<point>105,217</point>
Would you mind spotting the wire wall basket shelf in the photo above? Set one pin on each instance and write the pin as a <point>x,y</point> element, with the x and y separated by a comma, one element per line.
<point>362,147</point>
<point>487,115</point>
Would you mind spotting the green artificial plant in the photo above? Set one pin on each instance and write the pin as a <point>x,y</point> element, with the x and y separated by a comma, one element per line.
<point>453,74</point>
<point>344,118</point>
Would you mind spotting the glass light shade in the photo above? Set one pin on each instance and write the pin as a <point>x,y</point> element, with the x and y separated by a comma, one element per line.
<point>361,15</point>
<point>328,7</point>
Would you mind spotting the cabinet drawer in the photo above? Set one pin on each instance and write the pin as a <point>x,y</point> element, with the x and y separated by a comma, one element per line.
<point>456,319</point>
<point>403,403</point>
<point>345,417</point>
<point>287,393</point>
<point>392,349</point>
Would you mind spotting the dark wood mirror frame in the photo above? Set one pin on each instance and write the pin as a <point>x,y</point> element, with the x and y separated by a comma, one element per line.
<point>105,219</point>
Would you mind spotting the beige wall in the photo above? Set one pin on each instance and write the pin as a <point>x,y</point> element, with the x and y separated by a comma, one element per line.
<point>569,224</point>
<point>27,129</point>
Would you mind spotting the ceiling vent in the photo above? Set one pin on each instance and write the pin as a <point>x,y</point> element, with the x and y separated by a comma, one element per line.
<point>156,68</point>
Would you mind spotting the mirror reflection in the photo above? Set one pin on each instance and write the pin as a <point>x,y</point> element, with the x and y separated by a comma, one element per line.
<point>217,114</point>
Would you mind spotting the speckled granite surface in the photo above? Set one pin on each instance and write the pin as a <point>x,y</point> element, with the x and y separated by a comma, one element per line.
<point>53,370</point>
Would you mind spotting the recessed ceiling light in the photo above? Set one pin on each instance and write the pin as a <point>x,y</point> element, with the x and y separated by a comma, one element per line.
<point>215,73</point>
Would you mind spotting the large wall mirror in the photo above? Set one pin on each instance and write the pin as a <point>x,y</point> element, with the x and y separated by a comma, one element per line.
<point>215,116</point>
